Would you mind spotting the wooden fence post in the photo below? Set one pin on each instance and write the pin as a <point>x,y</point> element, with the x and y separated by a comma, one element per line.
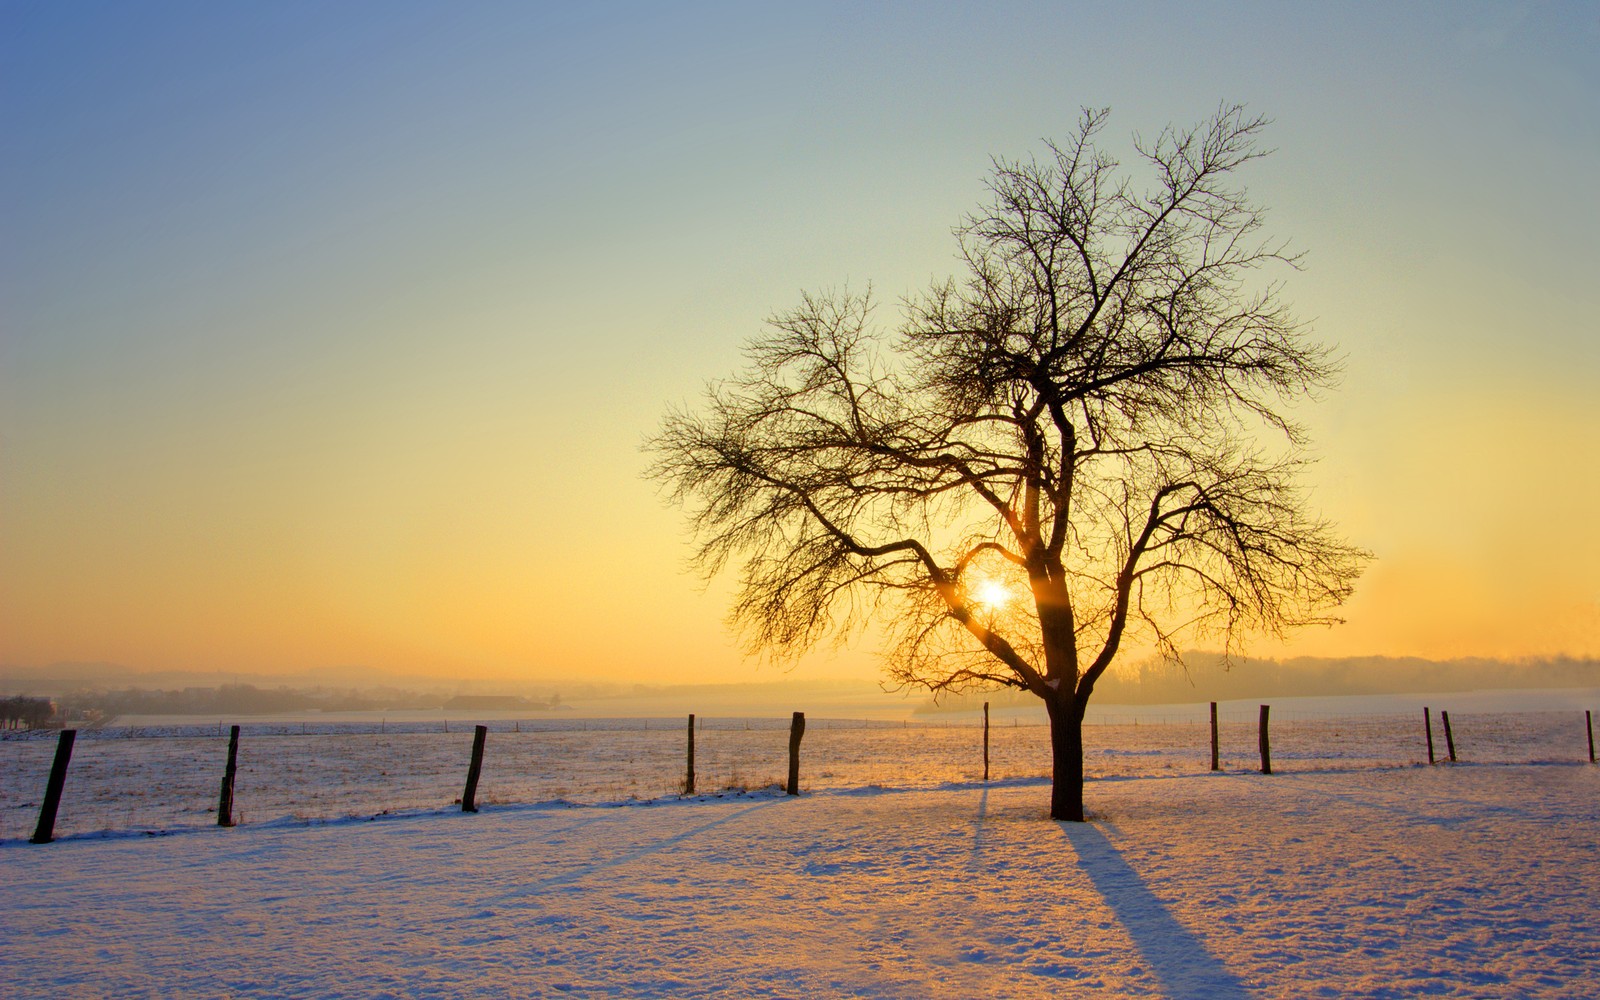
<point>1216,761</point>
<point>45,831</point>
<point>986,741</point>
<point>1449,737</point>
<point>1427,727</point>
<point>1266,743</point>
<point>469,797</point>
<point>225,800</point>
<point>688,779</point>
<point>797,729</point>
<point>1588,722</point>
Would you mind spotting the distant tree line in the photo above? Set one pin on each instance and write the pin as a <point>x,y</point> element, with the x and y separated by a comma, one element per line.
<point>1213,677</point>
<point>248,699</point>
<point>236,699</point>
<point>1207,677</point>
<point>22,712</point>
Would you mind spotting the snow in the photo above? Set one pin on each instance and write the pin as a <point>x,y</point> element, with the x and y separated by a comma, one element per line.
<point>1335,877</point>
<point>161,778</point>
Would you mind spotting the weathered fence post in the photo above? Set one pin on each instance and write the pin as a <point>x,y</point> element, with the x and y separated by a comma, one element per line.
<point>986,741</point>
<point>469,797</point>
<point>1216,761</point>
<point>797,729</point>
<point>1588,722</point>
<point>1427,727</point>
<point>45,831</point>
<point>225,800</point>
<point>1449,737</point>
<point>1265,742</point>
<point>688,779</point>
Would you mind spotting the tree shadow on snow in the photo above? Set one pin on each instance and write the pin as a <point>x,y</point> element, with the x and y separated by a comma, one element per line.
<point>1178,958</point>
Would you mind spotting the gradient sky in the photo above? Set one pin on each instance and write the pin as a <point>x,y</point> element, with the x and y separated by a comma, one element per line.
<point>329,333</point>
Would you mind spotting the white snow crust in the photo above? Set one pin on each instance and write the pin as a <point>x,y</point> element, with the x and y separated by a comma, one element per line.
<point>1468,880</point>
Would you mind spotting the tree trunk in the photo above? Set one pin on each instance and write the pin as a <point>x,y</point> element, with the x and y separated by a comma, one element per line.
<point>1066,755</point>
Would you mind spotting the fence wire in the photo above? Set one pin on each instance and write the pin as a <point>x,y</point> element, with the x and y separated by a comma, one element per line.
<point>163,779</point>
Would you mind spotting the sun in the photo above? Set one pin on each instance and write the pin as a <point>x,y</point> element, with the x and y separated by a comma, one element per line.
<point>991,594</point>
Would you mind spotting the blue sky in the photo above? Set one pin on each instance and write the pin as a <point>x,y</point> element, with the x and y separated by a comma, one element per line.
<point>328,334</point>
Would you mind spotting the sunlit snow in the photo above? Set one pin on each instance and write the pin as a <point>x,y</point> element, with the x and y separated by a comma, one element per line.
<point>1345,874</point>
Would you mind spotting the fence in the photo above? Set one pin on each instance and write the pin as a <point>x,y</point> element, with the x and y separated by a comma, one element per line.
<point>163,779</point>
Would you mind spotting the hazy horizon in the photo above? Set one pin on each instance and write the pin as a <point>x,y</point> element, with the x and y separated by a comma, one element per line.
<point>331,334</point>
<point>1203,677</point>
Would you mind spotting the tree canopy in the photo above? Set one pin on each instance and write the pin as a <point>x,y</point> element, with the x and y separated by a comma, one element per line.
<point>1083,439</point>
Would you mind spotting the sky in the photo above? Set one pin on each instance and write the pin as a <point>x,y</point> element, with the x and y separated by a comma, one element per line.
<point>329,334</point>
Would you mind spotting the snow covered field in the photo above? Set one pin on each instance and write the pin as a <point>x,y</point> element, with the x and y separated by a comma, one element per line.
<point>161,778</point>
<point>1340,876</point>
<point>1473,880</point>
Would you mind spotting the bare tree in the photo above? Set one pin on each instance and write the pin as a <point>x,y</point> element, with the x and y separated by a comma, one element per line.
<point>1053,457</point>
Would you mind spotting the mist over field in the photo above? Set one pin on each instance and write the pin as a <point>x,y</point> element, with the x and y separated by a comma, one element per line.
<point>1202,677</point>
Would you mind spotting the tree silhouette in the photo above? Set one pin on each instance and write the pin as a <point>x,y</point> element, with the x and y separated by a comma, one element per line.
<point>1078,422</point>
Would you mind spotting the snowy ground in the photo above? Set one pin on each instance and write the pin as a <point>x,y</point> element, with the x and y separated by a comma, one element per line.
<point>1473,880</point>
<point>166,778</point>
